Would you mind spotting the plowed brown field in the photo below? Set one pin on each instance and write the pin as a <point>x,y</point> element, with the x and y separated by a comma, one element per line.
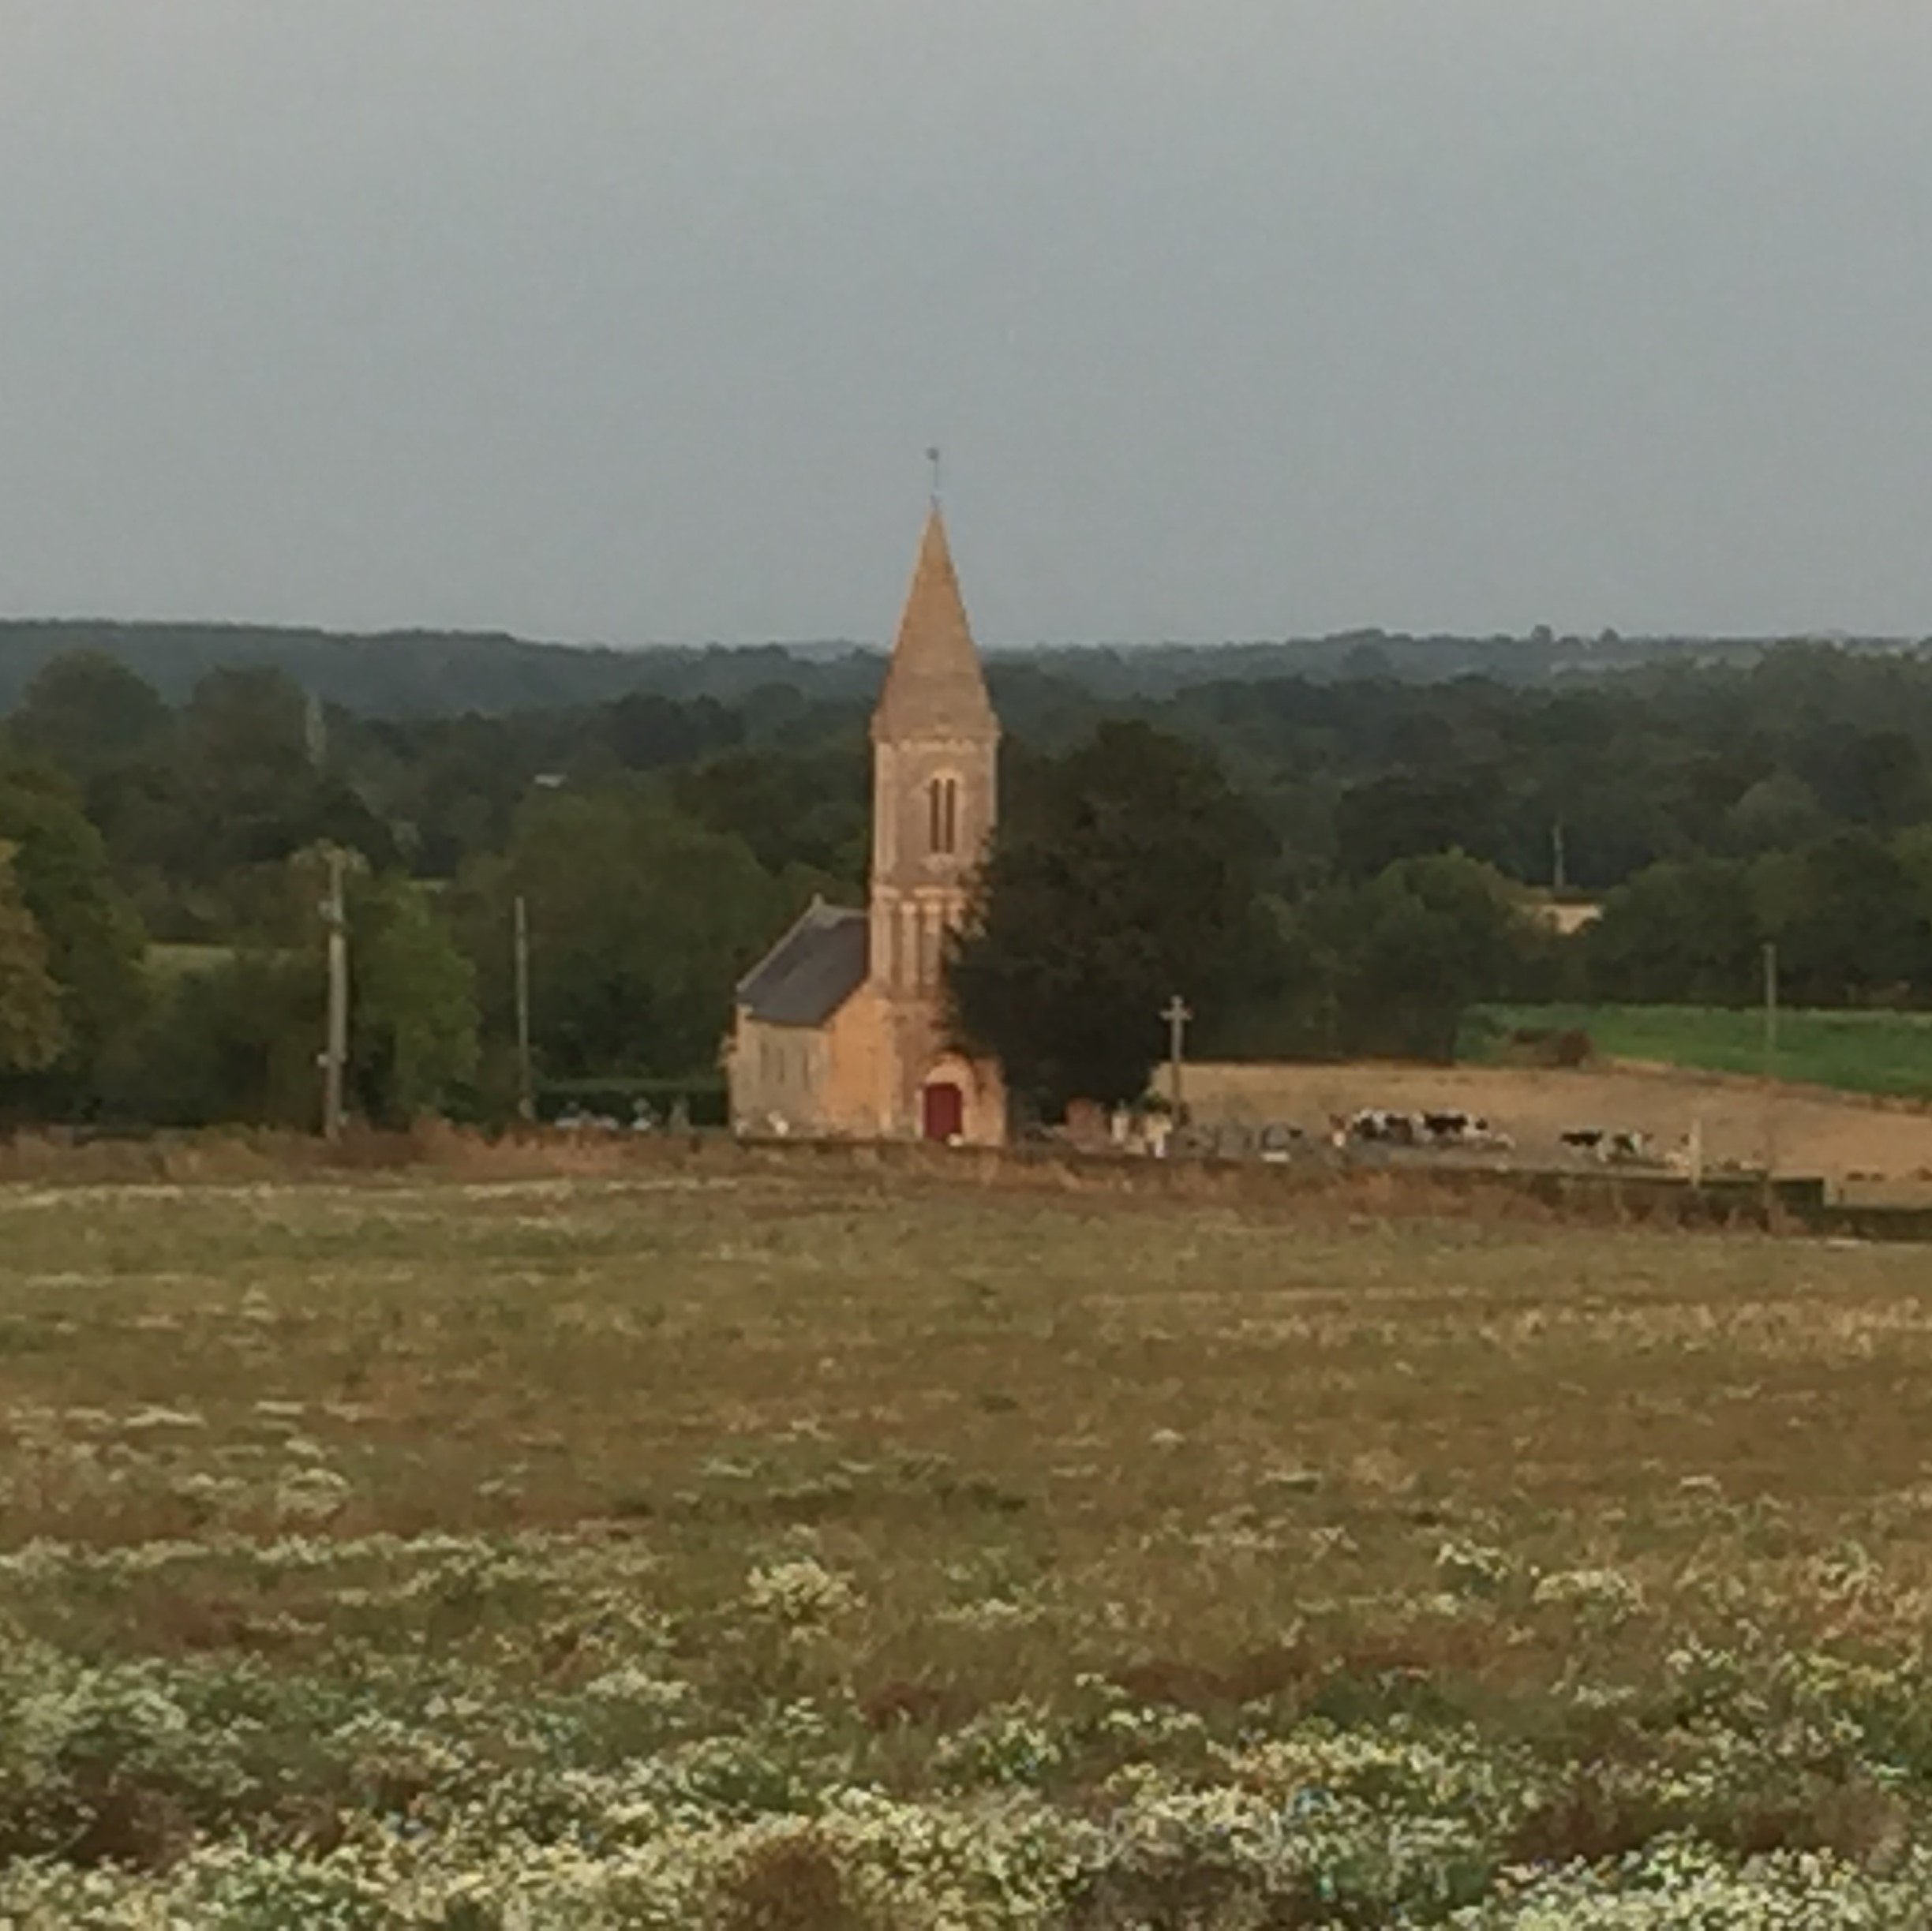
<point>1813,1130</point>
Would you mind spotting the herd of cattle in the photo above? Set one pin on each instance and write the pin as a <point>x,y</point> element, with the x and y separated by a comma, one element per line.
<point>1379,1126</point>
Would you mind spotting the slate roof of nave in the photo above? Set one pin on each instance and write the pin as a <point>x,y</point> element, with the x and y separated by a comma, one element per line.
<point>812,971</point>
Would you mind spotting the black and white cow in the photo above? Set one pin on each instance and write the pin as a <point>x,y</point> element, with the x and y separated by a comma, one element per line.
<point>1469,1131</point>
<point>1607,1143</point>
<point>1378,1126</point>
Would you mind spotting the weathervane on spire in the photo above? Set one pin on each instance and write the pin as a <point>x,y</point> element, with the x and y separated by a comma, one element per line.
<point>932,456</point>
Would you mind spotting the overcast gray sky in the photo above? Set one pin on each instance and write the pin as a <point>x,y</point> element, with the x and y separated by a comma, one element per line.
<point>631,318</point>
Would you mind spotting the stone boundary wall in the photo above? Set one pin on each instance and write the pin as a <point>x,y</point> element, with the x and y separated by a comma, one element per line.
<point>1797,1205</point>
<point>1313,1179</point>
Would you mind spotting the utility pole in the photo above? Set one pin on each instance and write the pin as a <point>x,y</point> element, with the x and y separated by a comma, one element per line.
<point>526,1085</point>
<point>1559,860</point>
<point>335,1053</point>
<point>1770,1064</point>
<point>1178,1016</point>
<point>315,731</point>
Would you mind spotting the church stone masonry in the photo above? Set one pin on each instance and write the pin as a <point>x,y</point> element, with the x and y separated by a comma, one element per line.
<point>842,1028</point>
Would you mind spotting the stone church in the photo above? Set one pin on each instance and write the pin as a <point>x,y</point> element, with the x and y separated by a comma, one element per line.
<point>842,1028</point>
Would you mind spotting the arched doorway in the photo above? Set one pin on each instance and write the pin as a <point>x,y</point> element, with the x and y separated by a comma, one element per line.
<point>944,1111</point>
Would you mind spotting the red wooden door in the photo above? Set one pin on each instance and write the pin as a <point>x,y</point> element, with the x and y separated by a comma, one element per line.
<point>945,1111</point>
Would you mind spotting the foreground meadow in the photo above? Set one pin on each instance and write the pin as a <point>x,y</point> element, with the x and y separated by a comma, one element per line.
<point>848,1555</point>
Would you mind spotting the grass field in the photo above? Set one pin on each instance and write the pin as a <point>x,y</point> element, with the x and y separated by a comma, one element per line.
<point>1882,1053</point>
<point>856,1555</point>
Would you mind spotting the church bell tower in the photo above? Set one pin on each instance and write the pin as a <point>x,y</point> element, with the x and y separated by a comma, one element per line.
<point>935,751</point>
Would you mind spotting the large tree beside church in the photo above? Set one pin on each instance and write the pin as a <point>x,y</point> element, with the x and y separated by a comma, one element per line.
<point>1123,873</point>
<point>641,919</point>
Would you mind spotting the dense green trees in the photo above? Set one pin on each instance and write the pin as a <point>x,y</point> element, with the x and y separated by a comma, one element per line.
<point>1324,863</point>
<point>90,713</point>
<point>809,809</point>
<point>1668,763</point>
<point>233,1036</point>
<point>1687,931</point>
<point>1123,873</point>
<point>1854,929</point>
<point>32,1031</point>
<point>1128,870</point>
<point>414,1037</point>
<point>1850,914</point>
<point>416,674</point>
<point>235,1033</point>
<point>1391,966</point>
<point>93,942</point>
<point>641,921</point>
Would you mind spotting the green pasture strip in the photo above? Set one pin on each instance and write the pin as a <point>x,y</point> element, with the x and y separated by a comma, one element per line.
<point>1880,1053</point>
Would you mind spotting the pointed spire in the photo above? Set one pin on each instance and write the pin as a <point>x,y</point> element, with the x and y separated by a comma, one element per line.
<point>934,686</point>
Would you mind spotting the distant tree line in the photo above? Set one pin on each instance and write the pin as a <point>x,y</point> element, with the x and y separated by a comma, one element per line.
<point>1324,866</point>
<point>432,674</point>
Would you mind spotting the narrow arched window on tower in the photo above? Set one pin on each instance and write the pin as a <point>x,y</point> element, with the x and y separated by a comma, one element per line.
<point>942,816</point>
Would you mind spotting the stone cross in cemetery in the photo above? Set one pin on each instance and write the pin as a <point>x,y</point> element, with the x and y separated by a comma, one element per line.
<point>1179,1017</point>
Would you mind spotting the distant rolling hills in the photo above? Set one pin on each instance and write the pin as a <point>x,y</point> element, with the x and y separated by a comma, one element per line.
<point>421,673</point>
<point>424,673</point>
